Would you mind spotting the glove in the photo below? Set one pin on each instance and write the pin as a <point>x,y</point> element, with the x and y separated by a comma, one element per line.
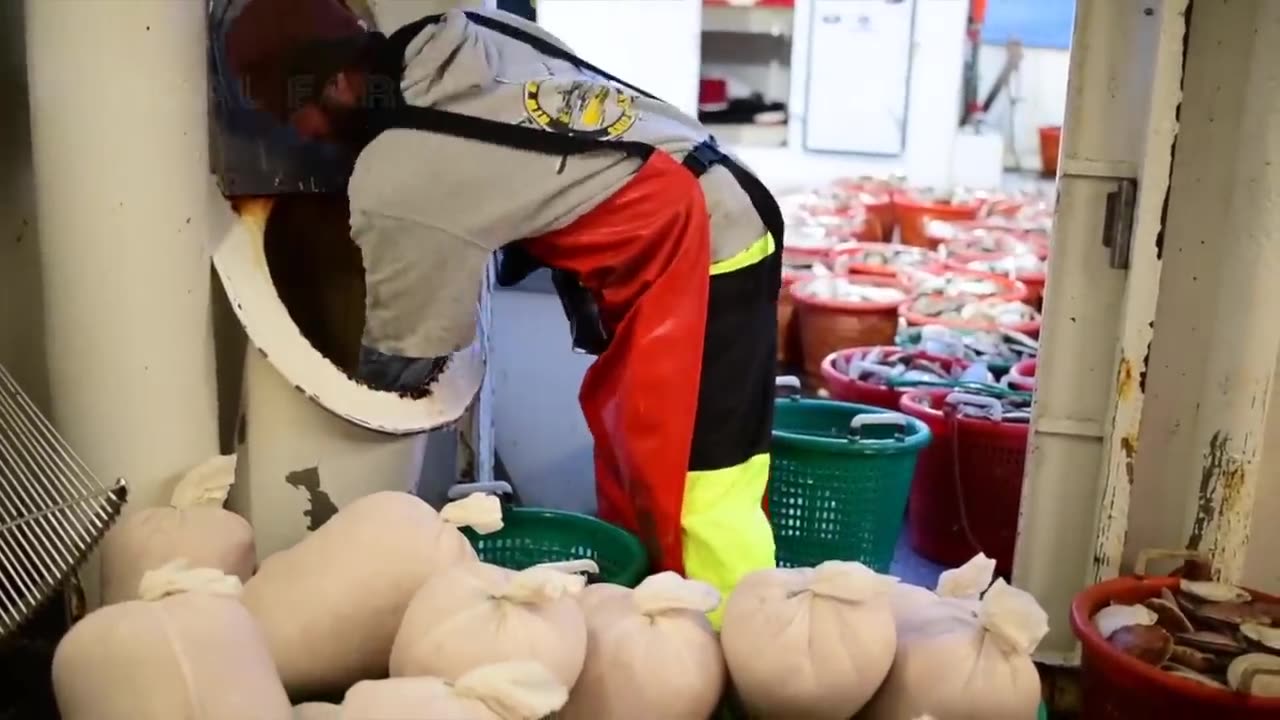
<point>391,373</point>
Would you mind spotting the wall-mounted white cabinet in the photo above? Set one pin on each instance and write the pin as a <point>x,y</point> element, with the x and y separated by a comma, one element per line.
<point>859,72</point>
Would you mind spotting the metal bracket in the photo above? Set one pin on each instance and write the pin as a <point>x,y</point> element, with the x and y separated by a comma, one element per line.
<point>1117,225</point>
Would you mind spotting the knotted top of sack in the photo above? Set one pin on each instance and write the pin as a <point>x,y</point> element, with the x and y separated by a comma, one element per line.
<point>480,512</point>
<point>968,581</point>
<point>668,592</point>
<point>539,585</point>
<point>1014,618</point>
<point>179,577</point>
<point>850,582</point>
<point>206,485</point>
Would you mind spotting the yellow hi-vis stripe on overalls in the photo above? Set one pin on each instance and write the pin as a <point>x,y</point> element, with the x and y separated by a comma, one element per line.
<point>726,532</point>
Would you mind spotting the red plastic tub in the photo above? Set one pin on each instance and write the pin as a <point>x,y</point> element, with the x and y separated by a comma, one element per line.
<point>835,377</point>
<point>983,245</point>
<point>1006,288</point>
<point>826,325</point>
<point>915,319</point>
<point>914,212</point>
<point>876,195</point>
<point>1022,376</point>
<point>1050,143</point>
<point>1118,687</point>
<point>969,475</point>
<point>802,258</point>
<point>977,241</point>
<point>1032,281</point>
<point>788,337</point>
<point>853,251</point>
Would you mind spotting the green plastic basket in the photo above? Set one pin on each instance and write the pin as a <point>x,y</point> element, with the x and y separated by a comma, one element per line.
<point>840,480</point>
<point>533,536</point>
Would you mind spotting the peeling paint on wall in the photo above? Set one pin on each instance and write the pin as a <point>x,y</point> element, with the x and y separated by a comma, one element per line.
<point>320,507</point>
<point>1224,502</point>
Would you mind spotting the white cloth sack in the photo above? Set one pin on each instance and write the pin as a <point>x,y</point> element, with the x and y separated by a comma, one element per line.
<point>193,526</point>
<point>965,584</point>
<point>960,664</point>
<point>504,691</point>
<point>317,711</point>
<point>331,604</point>
<point>651,652</point>
<point>809,643</point>
<point>193,654</point>
<point>477,614</point>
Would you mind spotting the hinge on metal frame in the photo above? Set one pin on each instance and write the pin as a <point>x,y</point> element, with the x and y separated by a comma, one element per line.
<point>1117,225</point>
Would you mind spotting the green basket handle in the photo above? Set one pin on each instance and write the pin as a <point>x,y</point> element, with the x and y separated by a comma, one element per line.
<point>790,384</point>
<point>457,492</point>
<point>894,421</point>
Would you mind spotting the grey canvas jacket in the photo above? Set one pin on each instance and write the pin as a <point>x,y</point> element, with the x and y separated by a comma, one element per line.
<point>428,210</point>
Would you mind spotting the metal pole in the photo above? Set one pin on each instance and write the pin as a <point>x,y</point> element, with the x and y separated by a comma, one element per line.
<point>1243,348</point>
<point>124,204</point>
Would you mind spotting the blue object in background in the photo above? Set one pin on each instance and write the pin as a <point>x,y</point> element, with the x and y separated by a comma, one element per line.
<point>1037,23</point>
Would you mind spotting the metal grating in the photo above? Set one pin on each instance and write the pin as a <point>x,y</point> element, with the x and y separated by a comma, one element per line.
<point>53,511</point>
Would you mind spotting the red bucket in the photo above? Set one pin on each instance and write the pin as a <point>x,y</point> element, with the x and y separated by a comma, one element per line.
<point>1119,687</point>
<point>855,252</point>
<point>788,340</point>
<point>829,325</point>
<point>1006,289</point>
<point>970,476</point>
<point>1032,281</point>
<point>915,319</point>
<point>1050,143</point>
<point>978,242</point>
<point>876,195</point>
<point>1022,376</point>
<point>914,213</point>
<point>835,377</point>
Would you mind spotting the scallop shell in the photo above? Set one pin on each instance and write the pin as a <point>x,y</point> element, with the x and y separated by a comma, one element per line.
<point>1232,614</point>
<point>1214,592</point>
<point>1211,642</point>
<point>1148,643</point>
<point>1262,636</point>
<point>1193,659</point>
<point>1257,674</point>
<point>1169,616</point>
<point>1114,617</point>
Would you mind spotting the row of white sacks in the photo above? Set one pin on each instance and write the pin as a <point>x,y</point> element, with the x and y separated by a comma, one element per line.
<point>388,608</point>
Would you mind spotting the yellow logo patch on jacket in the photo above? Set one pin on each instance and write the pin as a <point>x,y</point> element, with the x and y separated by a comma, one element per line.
<point>582,108</point>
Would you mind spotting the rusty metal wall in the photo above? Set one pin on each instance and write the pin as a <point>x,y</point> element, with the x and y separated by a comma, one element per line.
<point>1213,358</point>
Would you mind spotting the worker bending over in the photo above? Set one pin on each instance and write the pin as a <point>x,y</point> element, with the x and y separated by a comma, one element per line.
<point>477,132</point>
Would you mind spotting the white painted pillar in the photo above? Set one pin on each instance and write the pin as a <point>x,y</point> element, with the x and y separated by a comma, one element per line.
<point>125,203</point>
<point>313,440</point>
<point>1245,342</point>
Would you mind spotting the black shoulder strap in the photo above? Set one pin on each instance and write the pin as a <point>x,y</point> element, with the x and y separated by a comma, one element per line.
<point>499,133</point>
<point>550,49</point>
<point>402,37</point>
<point>403,115</point>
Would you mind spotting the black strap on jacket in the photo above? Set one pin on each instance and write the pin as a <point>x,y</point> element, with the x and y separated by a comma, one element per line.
<point>589,334</point>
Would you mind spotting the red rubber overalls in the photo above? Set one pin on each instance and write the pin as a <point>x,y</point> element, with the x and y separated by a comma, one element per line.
<point>683,387</point>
